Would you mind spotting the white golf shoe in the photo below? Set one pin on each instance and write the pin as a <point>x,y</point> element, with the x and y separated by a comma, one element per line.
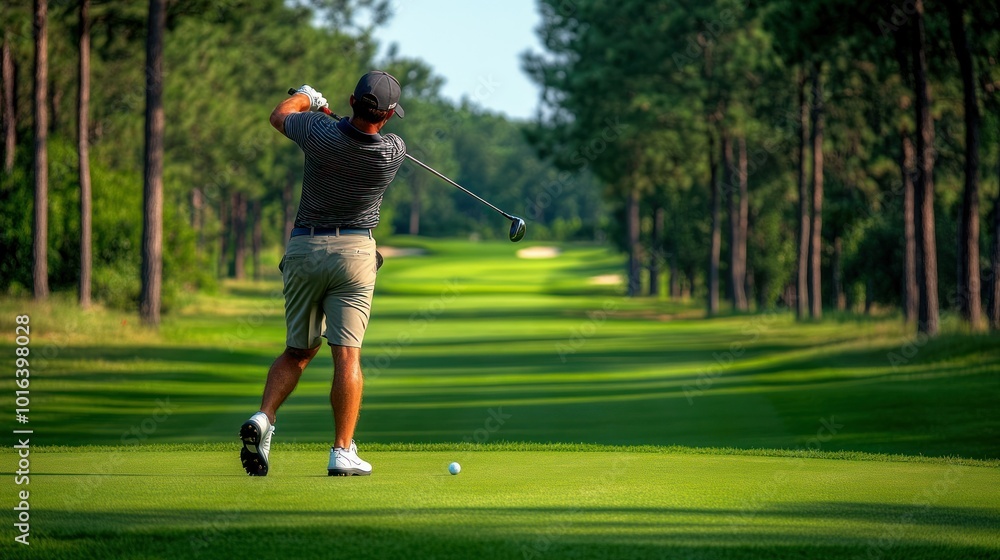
<point>256,435</point>
<point>345,462</point>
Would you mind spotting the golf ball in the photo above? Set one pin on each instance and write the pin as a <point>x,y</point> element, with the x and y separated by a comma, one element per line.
<point>454,468</point>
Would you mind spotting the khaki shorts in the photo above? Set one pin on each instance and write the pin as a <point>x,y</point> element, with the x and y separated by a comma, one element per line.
<point>329,282</point>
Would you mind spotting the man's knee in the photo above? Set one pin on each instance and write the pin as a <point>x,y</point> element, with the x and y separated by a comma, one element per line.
<point>301,354</point>
<point>346,356</point>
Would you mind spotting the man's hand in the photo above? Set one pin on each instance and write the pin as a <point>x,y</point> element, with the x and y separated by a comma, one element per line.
<point>296,104</point>
<point>316,99</point>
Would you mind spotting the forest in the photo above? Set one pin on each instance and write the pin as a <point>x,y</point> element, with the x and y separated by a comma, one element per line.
<point>76,89</point>
<point>816,154</point>
<point>834,155</point>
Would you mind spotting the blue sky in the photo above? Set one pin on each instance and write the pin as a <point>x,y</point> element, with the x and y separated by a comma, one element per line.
<point>475,45</point>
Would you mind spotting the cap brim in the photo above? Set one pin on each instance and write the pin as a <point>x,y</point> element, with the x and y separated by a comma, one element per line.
<point>399,111</point>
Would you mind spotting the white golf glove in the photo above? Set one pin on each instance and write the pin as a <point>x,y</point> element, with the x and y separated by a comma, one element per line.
<point>316,99</point>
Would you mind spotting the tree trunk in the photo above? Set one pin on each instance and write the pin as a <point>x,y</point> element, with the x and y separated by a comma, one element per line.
<point>911,291</point>
<point>634,246</point>
<point>9,109</point>
<point>969,299</point>
<point>742,222</point>
<point>838,274</point>
<point>240,235</point>
<point>414,206</point>
<point>83,120</point>
<point>802,277</point>
<point>152,231</point>
<point>816,230</point>
<point>257,241</point>
<point>676,278</point>
<point>656,251</point>
<point>908,171</point>
<point>225,227</point>
<point>287,200</point>
<point>729,195</point>
<point>198,217</point>
<point>55,103</point>
<point>869,295</point>
<point>675,272</point>
<point>927,277</point>
<point>40,268</point>
<point>995,267</point>
<point>687,289</point>
<point>715,247</point>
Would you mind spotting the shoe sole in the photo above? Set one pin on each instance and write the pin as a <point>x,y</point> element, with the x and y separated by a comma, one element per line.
<point>253,462</point>
<point>347,472</point>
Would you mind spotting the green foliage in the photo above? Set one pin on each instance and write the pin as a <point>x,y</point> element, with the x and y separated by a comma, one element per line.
<point>678,75</point>
<point>226,66</point>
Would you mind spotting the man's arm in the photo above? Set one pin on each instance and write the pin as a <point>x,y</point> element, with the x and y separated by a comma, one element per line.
<point>306,98</point>
<point>298,103</point>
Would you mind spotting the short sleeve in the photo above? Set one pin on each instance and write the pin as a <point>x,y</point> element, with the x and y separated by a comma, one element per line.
<point>298,125</point>
<point>398,146</point>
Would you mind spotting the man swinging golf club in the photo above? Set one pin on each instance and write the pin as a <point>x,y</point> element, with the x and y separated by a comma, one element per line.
<point>329,266</point>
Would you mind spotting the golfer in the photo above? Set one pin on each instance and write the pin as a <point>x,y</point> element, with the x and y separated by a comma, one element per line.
<point>329,266</point>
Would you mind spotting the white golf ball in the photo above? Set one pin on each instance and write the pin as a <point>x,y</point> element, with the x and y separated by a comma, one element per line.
<point>454,468</point>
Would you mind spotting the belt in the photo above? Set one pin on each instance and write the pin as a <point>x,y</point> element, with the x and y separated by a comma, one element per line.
<point>330,231</point>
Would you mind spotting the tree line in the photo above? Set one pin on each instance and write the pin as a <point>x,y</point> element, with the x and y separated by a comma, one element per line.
<point>139,167</point>
<point>815,154</point>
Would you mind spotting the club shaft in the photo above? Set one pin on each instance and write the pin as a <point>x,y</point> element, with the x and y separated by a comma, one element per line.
<point>460,187</point>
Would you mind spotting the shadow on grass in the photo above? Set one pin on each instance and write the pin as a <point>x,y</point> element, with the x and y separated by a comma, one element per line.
<point>812,530</point>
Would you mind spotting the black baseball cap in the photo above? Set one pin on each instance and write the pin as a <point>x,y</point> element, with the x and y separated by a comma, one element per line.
<point>379,90</point>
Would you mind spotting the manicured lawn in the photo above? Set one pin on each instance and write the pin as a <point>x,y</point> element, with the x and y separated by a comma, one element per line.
<point>471,344</point>
<point>180,503</point>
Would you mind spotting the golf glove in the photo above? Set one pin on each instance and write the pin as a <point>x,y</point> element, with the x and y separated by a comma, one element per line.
<point>316,99</point>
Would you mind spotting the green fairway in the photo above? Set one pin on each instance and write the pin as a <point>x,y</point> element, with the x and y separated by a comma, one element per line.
<point>457,355</point>
<point>504,504</point>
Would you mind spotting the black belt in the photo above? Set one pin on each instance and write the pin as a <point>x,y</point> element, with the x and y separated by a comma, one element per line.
<point>330,231</point>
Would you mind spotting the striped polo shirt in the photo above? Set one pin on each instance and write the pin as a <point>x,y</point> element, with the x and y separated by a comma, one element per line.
<point>346,171</point>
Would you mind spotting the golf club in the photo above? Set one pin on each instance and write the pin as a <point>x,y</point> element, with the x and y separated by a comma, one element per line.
<point>517,225</point>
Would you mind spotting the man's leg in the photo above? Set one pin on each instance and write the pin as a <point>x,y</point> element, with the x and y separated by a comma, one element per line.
<point>345,395</point>
<point>283,377</point>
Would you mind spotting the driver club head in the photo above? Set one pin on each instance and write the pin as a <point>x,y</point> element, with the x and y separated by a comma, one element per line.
<point>516,229</point>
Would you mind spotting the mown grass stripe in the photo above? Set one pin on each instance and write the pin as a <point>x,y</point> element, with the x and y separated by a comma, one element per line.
<point>513,446</point>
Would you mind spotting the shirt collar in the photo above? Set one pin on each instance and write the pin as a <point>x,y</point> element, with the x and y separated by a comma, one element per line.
<point>349,129</point>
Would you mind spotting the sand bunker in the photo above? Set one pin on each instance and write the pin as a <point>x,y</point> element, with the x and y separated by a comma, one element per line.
<point>538,253</point>
<point>606,279</point>
<point>390,252</point>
